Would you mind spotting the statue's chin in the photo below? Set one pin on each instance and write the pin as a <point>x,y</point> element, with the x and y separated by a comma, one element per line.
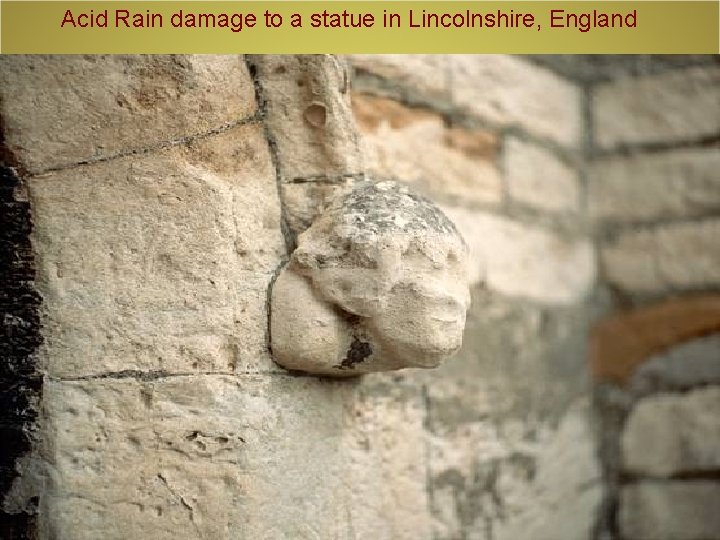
<point>429,354</point>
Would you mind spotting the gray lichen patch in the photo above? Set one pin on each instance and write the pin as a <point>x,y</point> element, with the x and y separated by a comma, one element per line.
<point>374,223</point>
<point>389,206</point>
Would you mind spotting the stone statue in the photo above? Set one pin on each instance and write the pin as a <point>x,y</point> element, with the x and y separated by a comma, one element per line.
<point>378,282</point>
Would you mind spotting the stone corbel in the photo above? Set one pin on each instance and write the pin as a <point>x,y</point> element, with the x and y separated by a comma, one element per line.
<point>377,282</point>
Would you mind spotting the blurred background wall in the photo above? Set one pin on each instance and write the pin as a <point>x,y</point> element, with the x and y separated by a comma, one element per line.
<point>160,195</point>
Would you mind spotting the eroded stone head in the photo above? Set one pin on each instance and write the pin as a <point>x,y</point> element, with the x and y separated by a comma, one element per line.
<point>378,282</point>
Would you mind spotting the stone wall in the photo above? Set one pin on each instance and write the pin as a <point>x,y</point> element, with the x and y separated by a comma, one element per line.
<point>654,199</point>
<point>166,193</point>
<point>497,141</point>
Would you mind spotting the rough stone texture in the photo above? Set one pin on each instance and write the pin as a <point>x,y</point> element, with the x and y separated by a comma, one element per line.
<point>679,105</point>
<point>538,178</point>
<point>221,457</point>
<point>665,258</point>
<point>519,359</point>
<point>525,480</point>
<point>309,117</point>
<point>512,92</point>
<point>645,187</point>
<point>620,343</point>
<point>425,73</point>
<point>503,396</point>
<point>165,417</point>
<point>524,260</point>
<point>378,282</point>
<point>694,363</point>
<point>566,484</point>
<point>670,434</point>
<point>161,261</point>
<point>20,378</point>
<point>415,146</point>
<point>305,201</point>
<point>61,110</point>
<point>671,511</point>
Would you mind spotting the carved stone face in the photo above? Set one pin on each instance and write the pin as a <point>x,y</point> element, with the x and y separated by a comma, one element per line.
<point>423,316</point>
<point>378,282</point>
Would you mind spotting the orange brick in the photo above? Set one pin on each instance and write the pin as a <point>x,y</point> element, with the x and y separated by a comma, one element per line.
<point>621,343</point>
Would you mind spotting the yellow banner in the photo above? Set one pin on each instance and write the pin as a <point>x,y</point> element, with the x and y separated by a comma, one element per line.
<point>350,26</point>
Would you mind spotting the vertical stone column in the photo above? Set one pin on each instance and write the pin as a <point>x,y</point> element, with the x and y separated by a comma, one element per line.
<point>311,129</point>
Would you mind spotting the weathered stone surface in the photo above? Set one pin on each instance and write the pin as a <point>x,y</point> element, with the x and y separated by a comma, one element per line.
<point>565,491</point>
<point>668,257</point>
<point>414,145</point>
<point>509,91</point>
<point>61,110</point>
<point>426,73</point>
<point>309,115</point>
<point>305,201</point>
<point>502,396</point>
<point>524,480</point>
<point>673,106</point>
<point>159,262</point>
<point>670,434</point>
<point>524,260</point>
<point>680,183</point>
<point>689,364</point>
<point>378,282</point>
<point>223,457</point>
<point>155,270</point>
<point>518,359</point>
<point>671,511</point>
<point>21,377</point>
<point>538,178</point>
<point>619,344</point>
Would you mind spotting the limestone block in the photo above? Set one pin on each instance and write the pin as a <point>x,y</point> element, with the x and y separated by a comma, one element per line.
<point>503,397</point>
<point>694,363</point>
<point>677,105</point>
<point>510,91</point>
<point>309,115</point>
<point>414,145</point>
<point>670,434</point>
<point>389,460</point>
<point>518,358</point>
<point>524,260</point>
<point>378,282</point>
<point>538,178</point>
<point>644,187</point>
<point>427,74</point>
<point>524,480</point>
<point>674,256</point>
<point>565,495</point>
<point>232,457</point>
<point>670,510</point>
<point>305,201</point>
<point>161,261</point>
<point>62,110</point>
